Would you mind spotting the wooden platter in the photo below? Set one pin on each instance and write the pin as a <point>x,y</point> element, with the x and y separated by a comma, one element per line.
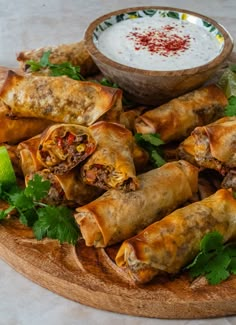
<point>90,276</point>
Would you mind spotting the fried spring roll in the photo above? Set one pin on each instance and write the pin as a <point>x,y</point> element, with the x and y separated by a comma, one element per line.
<point>64,146</point>
<point>60,99</point>
<point>176,119</point>
<point>118,215</point>
<point>75,53</point>
<point>27,152</point>
<point>14,131</point>
<point>169,244</point>
<point>111,165</point>
<point>213,146</point>
<point>67,188</point>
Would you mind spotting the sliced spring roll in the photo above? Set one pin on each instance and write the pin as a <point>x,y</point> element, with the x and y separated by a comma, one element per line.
<point>60,99</point>
<point>213,145</point>
<point>27,152</point>
<point>75,53</point>
<point>176,119</point>
<point>118,215</point>
<point>16,130</point>
<point>168,245</point>
<point>67,188</point>
<point>64,146</point>
<point>112,164</point>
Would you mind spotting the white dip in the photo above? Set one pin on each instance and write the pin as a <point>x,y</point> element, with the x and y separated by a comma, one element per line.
<point>156,43</point>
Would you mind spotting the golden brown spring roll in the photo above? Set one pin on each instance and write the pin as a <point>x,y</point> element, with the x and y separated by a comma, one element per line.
<point>176,119</point>
<point>75,53</point>
<point>128,117</point>
<point>229,180</point>
<point>64,146</point>
<point>141,158</point>
<point>13,131</point>
<point>213,145</point>
<point>111,165</point>
<point>60,99</point>
<point>118,215</point>
<point>186,150</point>
<point>171,243</point>
<point>67,188</point>
<point>27,152</point>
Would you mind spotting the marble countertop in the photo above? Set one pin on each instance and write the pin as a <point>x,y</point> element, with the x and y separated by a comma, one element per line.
<point>30,24</point>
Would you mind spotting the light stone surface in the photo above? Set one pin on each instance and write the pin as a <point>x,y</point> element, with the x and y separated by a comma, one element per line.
<point>28,24</point>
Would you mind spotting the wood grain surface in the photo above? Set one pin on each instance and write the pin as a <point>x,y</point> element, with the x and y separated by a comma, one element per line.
<point>90,277</point>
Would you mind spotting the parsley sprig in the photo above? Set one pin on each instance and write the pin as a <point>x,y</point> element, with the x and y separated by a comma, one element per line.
<point>152,144</point>
<point>60,69</point>
<point>55,222</point>
<point>216,261</point>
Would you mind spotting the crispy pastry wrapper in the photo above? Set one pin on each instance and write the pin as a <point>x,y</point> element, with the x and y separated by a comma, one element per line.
<point>118,215</point>
<point>176,119</point>
<point>64,146</point>
<point>16,130</point>
<point>171,243</point>
<point>67,189</point>
<point>212,146</point>
<point>27,153</point>
<point>112,164</point>
<point>60,99</point>
<point>75,53</point>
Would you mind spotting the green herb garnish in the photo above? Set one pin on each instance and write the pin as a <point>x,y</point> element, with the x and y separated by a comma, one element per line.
<point>60,69</point>
<point>55,222</point>
<point>151,143</point>
<point>227,83</point>
<point>216,261</point>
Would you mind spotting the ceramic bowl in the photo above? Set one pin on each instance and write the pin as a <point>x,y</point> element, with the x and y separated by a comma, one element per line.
<point>154,87</point>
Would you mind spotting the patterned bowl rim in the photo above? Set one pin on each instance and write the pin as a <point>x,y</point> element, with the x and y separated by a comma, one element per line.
<point>90,41</point>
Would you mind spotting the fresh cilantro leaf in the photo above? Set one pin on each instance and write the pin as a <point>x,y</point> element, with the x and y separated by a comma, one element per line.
<point>52,221</point>
<point>108,83</point>
<point>21,201</point>
<point>216,269</point>
<point>211,241</point>
<point>215,260</point>
<point>60,69</point>
<point>37,188</point>
<point>151,143</point>
<point>56,222</point>
<point>230,109</point>
<point>44,60</point>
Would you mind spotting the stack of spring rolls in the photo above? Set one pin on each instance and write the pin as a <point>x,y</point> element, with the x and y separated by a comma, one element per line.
<point>78,135</point>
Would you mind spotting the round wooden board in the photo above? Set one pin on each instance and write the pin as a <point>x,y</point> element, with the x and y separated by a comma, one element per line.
<point>90,277</point>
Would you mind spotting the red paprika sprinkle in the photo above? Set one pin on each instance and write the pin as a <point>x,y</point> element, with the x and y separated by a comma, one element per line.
<point>163,42</point>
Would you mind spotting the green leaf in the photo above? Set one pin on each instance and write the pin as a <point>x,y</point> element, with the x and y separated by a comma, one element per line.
<point>21,201</point>
<point>57,223</point>
<point>197,267</point>
<point>232,265</point>
<point>37,188</point>
<point>230,109</point>
<point>151,143</point>
<point>44,61</point>
<point>211,241</point>
<point>216,269</point>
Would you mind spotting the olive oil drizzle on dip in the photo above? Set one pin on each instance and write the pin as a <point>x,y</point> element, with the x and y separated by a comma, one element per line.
<point>157,43</point>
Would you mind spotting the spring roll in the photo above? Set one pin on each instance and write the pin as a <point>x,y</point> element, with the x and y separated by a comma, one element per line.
<point>118,215</point>
<point>112,164</point>
<point>64,146</point>
<point>75,53</point>
<point>176,119</point>
<point>27,153</point>
<point>13,131</point>
<point>170,244</point>
<point>67,189</point>
<point>213,146</point>
<point>60,99</point>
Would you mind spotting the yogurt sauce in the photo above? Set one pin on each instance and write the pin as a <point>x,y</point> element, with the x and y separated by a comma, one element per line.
<point>157,43</point>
